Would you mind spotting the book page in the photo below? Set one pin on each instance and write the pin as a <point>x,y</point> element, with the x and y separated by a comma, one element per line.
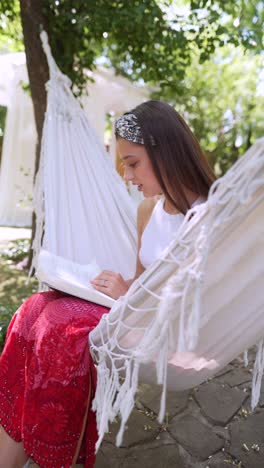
<point>70,277</point>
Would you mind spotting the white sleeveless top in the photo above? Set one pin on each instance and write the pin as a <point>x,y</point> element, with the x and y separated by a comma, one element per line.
<point>159,232</point>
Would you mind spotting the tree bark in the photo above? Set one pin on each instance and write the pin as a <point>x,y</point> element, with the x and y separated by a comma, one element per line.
<point>249,137</point>
<point>33,21</point>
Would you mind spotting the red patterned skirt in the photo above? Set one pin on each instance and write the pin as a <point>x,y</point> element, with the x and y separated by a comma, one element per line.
<point>46,376</point>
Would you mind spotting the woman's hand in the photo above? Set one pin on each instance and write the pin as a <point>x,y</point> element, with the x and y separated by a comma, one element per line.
<point>110,283</point>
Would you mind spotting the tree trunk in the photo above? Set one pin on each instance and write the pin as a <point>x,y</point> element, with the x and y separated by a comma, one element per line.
<point>249,137</point>
<point>33,21</point>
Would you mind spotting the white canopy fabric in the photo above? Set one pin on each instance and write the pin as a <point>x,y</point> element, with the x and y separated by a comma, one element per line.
<point>8,65</point>
<point>108,93</point>
<point>17,162</point>
<point>195,308</point>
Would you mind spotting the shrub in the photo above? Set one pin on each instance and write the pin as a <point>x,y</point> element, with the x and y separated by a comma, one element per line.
<point>6,314</point>
<point>16,250</point>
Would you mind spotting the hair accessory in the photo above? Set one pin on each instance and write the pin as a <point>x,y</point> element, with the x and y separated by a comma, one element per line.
<point>127,127</point>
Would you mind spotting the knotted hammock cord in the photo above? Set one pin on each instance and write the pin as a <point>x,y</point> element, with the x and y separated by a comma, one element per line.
<point>227,203</point>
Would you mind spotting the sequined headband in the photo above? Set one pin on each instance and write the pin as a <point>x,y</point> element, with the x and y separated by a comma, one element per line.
<point>127,127</point>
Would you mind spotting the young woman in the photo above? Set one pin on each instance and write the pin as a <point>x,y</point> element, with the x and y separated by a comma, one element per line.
<point>47,377</point>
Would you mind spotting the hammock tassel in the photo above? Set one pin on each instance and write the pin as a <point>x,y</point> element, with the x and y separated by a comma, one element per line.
<point>257,375</point>
<point>162,366</point>
<point>127,403</point>
<point>103,401</point>
<point>245,357</point>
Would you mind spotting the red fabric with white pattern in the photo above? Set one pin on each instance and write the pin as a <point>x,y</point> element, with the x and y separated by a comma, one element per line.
<point>44,378</point>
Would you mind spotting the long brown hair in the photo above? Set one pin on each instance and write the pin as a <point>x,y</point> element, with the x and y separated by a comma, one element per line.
<point>176,157</point>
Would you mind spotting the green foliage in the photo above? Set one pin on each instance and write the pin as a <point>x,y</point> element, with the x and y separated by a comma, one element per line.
<point>133,36</point>
<point>14,288</point>
<point>151,40</point>
<point>223,103</point>
<point>175,45</point>
<point>3,110</point>
<point>6,314</point>
<point>217,23</point>
<point>2,127</point>
<point>11,37</point>
<point>16,250</point>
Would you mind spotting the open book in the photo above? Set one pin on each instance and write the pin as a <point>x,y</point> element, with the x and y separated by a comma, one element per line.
<point>70,277</point>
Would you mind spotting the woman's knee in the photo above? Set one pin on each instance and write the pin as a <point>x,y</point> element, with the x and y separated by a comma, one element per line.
<point>30,311</point>
<point>36,302</point>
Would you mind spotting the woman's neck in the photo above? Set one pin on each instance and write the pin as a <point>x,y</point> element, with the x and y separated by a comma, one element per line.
<point>171,209</point>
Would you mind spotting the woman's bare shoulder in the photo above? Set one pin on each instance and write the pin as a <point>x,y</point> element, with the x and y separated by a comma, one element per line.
<point>147,205</point>
<point>145,209</point>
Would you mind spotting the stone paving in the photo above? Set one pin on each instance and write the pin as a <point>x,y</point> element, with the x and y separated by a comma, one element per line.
<point>209,427</point>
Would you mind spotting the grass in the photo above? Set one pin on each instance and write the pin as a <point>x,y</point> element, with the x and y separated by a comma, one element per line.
<point>13,287</point>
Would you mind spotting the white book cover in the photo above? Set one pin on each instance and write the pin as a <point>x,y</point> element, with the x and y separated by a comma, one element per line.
<point>70,277</point>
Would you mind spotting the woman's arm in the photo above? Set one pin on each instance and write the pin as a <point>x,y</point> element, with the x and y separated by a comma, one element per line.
<point>143,214</point>
<point>113,284</point>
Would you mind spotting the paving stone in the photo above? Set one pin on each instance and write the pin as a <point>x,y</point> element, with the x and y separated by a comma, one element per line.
<point>196,437</point>
<point>155,457</point>
<point>219,460</point>
<point>261,397</point>
<point>239,361</point>
<point>251,355</point>
<point>191,439</point>
<point>149,457</point>
<point>236,377</point>
<point>140,429</point>
<point>110,456</point>
<point>163,453</point>
<point>219,403</point>
<point>222,432</point>
<point>249,431</point>
<point>223,371</point>
<point>150,396</point>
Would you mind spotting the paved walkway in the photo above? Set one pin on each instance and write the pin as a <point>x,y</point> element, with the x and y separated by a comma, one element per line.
<point>210,426</point>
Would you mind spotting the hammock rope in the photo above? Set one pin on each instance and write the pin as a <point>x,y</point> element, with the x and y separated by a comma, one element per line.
<point>175,325</point>
<point>78,192</point>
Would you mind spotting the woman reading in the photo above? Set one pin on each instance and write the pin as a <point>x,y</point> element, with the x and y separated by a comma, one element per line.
<point>47,376</point>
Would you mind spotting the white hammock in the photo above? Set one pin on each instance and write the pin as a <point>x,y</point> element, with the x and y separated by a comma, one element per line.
<point>198,307</point>
<point>194,309</point>
<point>80,199</point>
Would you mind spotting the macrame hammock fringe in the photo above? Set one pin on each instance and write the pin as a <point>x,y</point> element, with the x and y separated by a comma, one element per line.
<point>193,310</point>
